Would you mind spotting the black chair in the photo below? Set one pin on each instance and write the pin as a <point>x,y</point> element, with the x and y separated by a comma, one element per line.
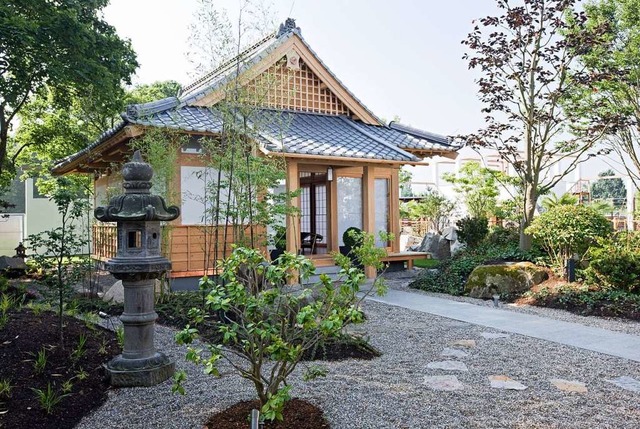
<point>308,240</point>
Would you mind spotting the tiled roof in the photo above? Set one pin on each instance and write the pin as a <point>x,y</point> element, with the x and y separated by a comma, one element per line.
<point>305,133</point>
<point>406,140</point>
<point>324,135</point>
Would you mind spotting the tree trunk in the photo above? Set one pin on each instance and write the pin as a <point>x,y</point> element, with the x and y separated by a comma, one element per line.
<point>530,200</point>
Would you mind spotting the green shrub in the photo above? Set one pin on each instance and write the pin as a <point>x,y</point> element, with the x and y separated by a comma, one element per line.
<point>565,231</point>
<point>352,237</point>
<point>472,230</point>
<point>452,274</point>
<point>588,301</point>
<point>499,235</point>
<point>616,264</point>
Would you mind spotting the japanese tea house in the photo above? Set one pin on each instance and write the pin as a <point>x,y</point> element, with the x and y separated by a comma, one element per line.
<point>344,159</point>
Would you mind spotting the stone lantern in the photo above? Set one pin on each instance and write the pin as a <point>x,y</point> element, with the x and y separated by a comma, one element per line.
<point>138,263</point>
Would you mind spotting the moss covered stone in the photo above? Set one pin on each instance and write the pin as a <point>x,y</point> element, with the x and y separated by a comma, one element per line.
<point>507,280</point>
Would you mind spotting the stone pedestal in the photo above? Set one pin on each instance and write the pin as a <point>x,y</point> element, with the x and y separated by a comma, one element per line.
<point>139,364</point>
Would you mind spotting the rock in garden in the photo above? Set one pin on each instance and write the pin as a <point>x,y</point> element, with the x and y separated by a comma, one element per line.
<point>468,344</point>
<point>504,382</point>
<point>493,335</point>
<point>448,365</point>
<point>443,382</point>
<point>450,233</point>
<point>443,251</point>
<point>568,386</point>
<point>449,352</point>
<point>510,278</point>
<point>627,383</point>
<point>430,243</point>
<point>456,246</point>
<point>115,293</point>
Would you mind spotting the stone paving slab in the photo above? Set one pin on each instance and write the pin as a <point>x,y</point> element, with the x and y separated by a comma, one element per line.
<point>573,334</point>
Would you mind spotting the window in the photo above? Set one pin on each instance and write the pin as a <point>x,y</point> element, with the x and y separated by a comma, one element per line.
<point>382,209</point>
<point>349,204</point>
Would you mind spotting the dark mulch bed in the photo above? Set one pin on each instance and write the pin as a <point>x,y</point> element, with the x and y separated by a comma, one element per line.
<point>27,333</point>
<point>298,414</point>
<point>341,348</point>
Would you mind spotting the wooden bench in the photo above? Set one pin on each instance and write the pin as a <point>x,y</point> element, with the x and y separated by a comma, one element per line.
<point>409,257</point>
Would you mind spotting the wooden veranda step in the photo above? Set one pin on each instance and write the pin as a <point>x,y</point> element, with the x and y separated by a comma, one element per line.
<point>407,257</point>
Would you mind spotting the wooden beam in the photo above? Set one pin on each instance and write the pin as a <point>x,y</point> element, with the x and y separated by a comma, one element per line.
<point>332,213</point>
<point>394,209</point>
<point>369,209</point>
<point>293,220</point>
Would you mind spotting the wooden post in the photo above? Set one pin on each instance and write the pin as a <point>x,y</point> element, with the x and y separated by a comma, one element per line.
<point>394,210</point>
<point>369,209</point>
<point>293,221</point>
<point>332,211</point>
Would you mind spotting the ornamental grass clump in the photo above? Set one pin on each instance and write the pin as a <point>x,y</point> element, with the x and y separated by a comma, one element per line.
<point>266,323</point>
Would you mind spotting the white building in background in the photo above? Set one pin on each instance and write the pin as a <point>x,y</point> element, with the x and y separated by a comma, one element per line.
<point>431,176</point>
<point>33,213</point>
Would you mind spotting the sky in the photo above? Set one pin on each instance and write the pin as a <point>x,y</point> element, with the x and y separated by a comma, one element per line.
<point>400,58</point>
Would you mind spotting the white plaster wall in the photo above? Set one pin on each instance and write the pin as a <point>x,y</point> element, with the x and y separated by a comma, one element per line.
<point>11,233</point>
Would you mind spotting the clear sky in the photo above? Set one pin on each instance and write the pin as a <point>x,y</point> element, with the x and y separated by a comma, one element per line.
<point>400,57</point>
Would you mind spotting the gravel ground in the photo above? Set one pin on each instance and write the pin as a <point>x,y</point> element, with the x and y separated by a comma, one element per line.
<point>400,281</point>
<point>388,392</point>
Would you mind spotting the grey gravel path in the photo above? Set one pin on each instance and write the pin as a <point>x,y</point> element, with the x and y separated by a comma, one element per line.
<point>389,392</point>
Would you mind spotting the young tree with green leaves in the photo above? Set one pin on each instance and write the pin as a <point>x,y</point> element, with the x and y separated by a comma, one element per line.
<point>615,98</point>
<point>478,187</point>
<point>58,252</point>
<point>610,189</point>
<point>527,59</point>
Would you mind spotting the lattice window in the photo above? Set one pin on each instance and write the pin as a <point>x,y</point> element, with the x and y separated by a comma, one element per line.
<point>283,88</point>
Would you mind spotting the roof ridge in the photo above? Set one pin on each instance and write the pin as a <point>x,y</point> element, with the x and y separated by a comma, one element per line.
<point>420,133</point>
<point>225,64</point>
<point>379,140</point>
<point>134,111</point>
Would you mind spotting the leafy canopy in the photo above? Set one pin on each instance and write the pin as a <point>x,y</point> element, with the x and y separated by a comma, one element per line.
<point>64,44</point>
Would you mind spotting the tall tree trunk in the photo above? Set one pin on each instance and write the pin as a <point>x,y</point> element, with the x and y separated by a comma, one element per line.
<point>530,200</point>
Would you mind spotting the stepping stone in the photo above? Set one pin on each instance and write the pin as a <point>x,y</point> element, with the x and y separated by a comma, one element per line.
<point>504,382</point>
<point>448,365</point>
<point>569,386</point>
<point>468,344</point>
<point>443,382</point>
<point>454,353</point>
<point>627,383</point>
<point>494,335</point>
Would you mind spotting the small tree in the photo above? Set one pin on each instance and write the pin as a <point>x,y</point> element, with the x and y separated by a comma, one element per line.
<point>568,230</point>
<point>432,207</point>
<point>478,187</point>
<point>57,251</point>
<point>266,325</point>
<point>528,59</point>
<point>609,188</point>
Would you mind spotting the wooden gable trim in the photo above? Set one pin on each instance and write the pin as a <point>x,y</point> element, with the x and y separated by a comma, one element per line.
<point>294,42</point>
<point>334,86</point>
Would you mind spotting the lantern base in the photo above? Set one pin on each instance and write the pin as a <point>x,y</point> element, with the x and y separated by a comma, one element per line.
<point>124,372</point>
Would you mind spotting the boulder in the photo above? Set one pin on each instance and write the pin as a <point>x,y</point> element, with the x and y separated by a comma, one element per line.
<point>116,292</point>
<point>443,251</point>
<point>456,246</point>
<point>506,279</point>
<point>430,243</point>
<point>450,233</point>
